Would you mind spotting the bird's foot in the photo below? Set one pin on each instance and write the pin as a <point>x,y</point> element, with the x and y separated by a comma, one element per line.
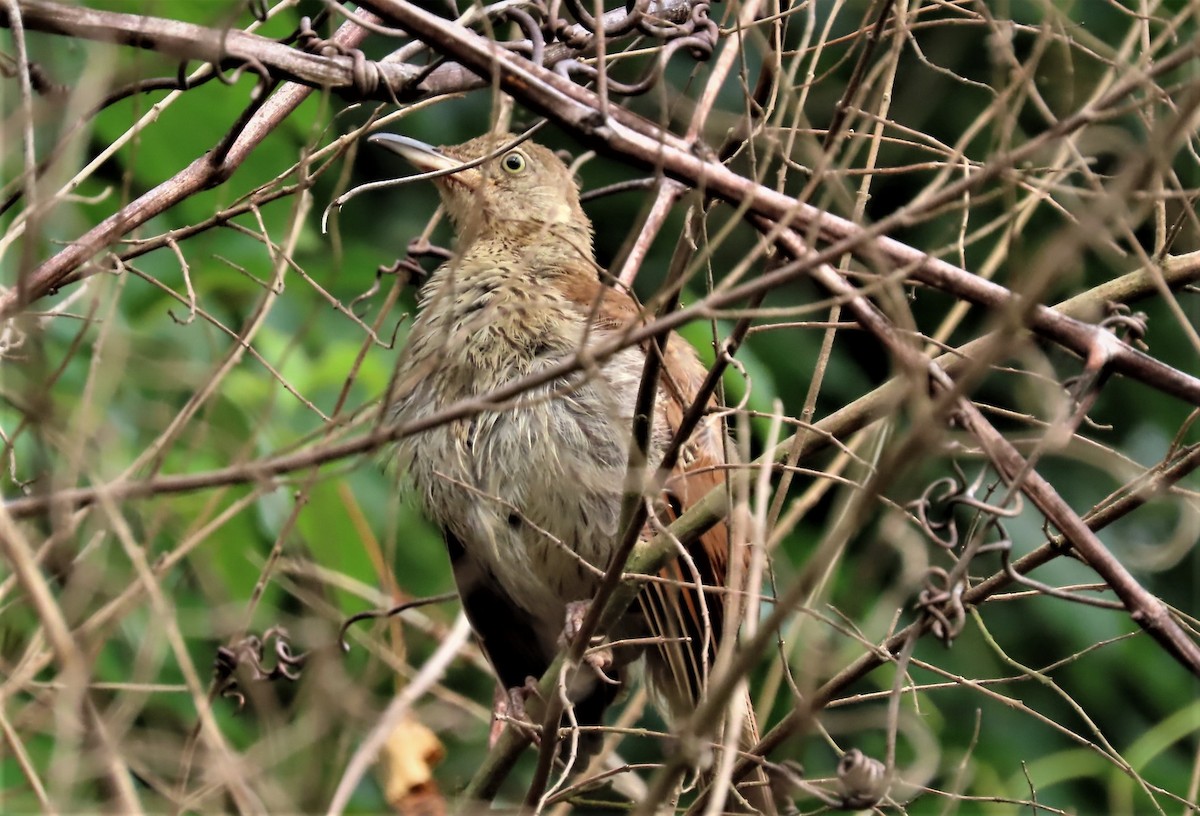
<point>508,706</point>
<point>519,695</point>
<point>576,612</point>
<point>598,656</point>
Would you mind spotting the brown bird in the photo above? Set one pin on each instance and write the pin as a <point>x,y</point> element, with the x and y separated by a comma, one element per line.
<point>529,493</point>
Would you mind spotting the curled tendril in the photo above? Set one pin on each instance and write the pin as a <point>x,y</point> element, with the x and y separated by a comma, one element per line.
<point>942,601</point>
<point>1123,319</point>
<point>665,29</point>
<point>365,74</point>
<point>941,598</point>
<point>536,47</point>
<point>937,496</point>
<point>270,658</point>
<point>1004,547</point>
<point>308,40</point>
<point>699,47</point>
<point>934,510</point>
<point>863,780</point>
<point>698,34</point>
<point>631,20</point>
<point>251,653</point>
<point>388,613</point>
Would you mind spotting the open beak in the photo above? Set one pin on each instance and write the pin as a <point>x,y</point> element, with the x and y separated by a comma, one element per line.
<point>425,157</point>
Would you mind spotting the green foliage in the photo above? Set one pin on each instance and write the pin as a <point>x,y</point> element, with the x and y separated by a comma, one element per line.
<point>128,385</point>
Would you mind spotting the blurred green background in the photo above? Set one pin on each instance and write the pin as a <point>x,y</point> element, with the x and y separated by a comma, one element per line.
<point>94,392</point>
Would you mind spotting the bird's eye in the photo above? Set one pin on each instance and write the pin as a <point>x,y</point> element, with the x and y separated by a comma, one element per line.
<point>513,163</point>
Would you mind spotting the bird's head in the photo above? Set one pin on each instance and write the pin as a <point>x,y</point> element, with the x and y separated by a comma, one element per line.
<point>523,191</point>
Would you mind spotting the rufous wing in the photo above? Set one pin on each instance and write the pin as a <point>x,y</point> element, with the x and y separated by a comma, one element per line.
<point>687,620</point>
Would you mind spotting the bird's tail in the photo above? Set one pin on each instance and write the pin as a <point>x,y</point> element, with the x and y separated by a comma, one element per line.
<point>754,787</point>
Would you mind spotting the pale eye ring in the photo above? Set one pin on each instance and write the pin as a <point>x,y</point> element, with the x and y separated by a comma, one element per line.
<point>513,162</point>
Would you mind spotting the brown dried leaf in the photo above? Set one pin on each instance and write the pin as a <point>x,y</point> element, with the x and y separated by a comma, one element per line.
<point>406,765</point>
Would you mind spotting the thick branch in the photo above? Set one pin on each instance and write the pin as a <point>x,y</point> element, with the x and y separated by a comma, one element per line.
<point>633,137</point>
<point>229,48</point>
<point>1146,610</point>
<point>204,172</point>
<point>1177,272</point>
<point>232,48</point>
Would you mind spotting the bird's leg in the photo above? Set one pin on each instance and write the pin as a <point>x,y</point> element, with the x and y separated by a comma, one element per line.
<point>517,697</point>
<point>508,705</point>
<point>599,658</point>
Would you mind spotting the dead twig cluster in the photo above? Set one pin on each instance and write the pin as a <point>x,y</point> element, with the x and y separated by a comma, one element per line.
<point>911,237</point>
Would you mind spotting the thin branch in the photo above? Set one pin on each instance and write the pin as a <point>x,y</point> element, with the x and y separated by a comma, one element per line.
<point>630,136</point>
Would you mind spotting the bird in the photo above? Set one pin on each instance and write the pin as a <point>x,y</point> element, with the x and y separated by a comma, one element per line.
<point>528,492</point>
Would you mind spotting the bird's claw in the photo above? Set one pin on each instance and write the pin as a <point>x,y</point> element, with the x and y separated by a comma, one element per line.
<point>573,623</point>
<point>517,697</point>
<point>600,660</point>
<point>598,657</point>
<point>509,707</point>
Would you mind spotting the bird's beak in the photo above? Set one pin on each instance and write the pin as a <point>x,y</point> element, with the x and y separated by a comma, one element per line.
<point>424,157</point>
